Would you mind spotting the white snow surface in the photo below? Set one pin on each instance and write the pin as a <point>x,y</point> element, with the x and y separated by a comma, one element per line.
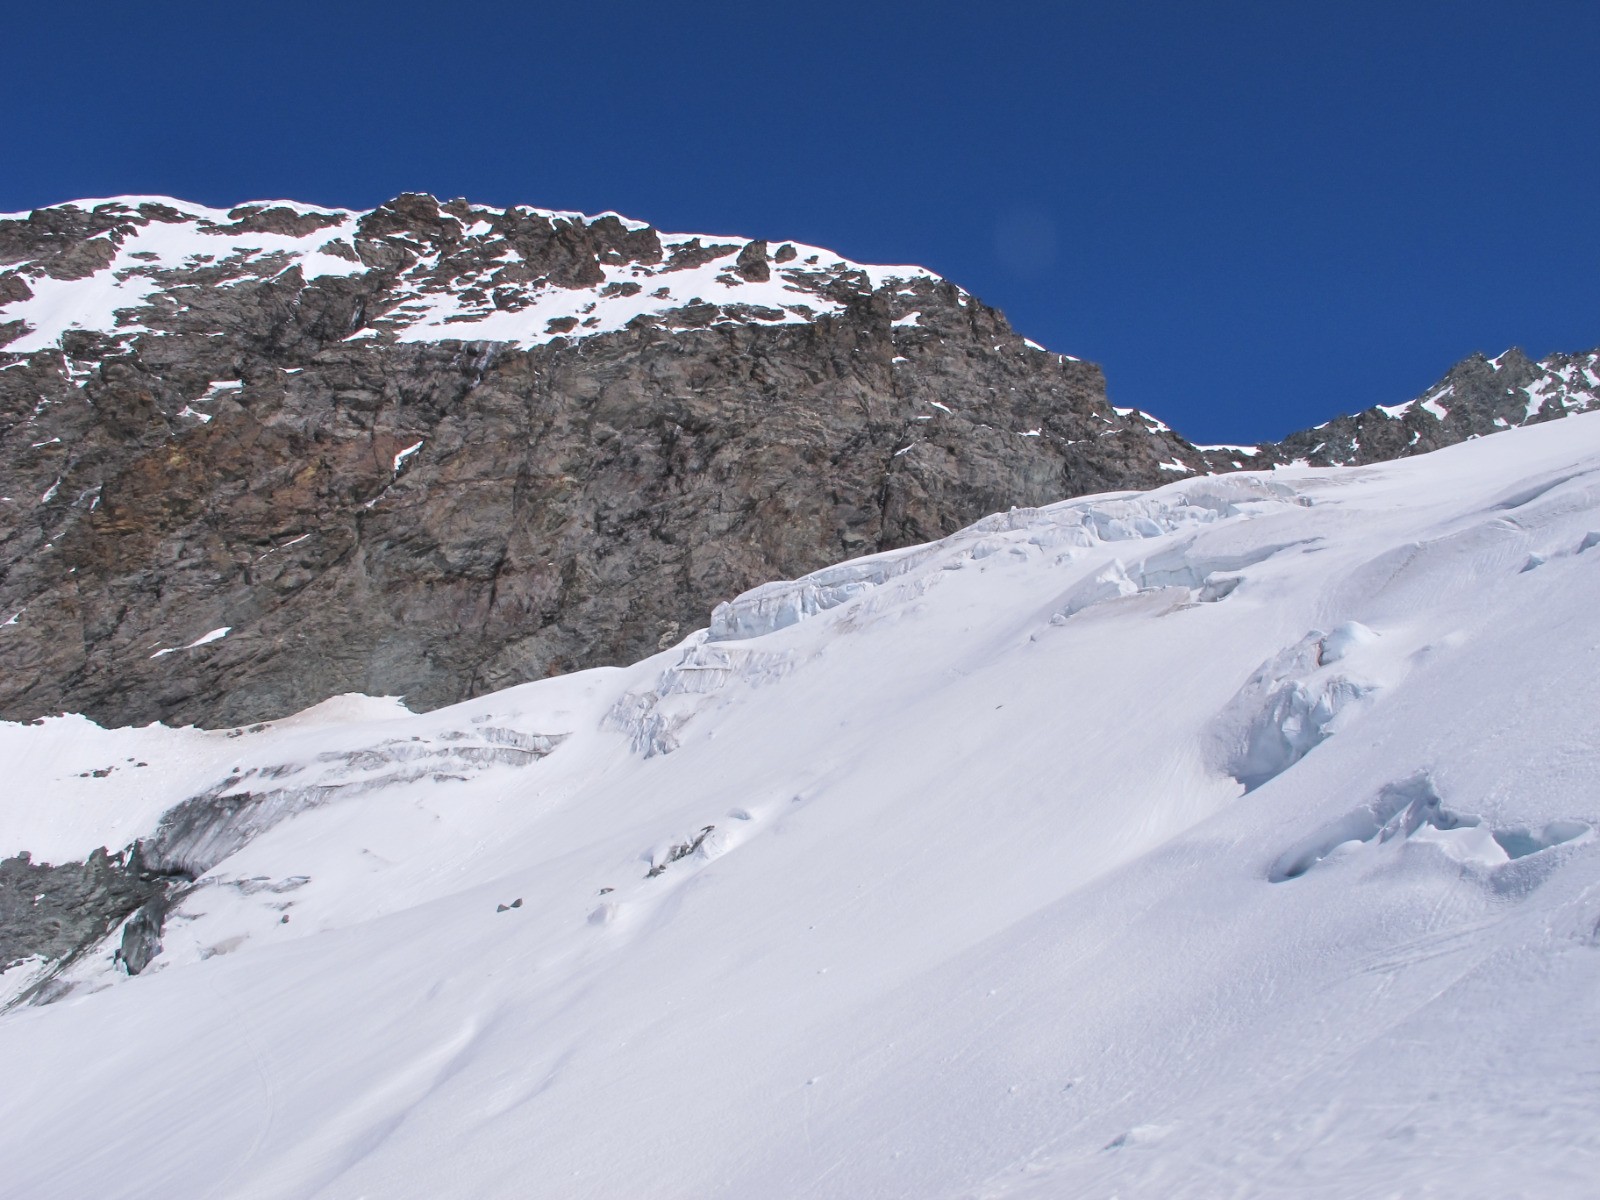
<point>426,308</point>
<point>1232,839</point>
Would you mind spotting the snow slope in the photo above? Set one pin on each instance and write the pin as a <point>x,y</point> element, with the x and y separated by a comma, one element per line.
<point>1233,839</point>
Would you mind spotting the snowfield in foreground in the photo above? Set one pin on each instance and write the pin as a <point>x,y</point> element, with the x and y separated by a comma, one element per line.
<point>1232,839</point>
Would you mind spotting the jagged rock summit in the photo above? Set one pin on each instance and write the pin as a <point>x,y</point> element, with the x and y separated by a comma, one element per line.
<point>254,458</point>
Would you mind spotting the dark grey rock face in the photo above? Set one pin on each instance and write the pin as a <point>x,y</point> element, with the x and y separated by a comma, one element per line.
<point>266,456</point>
<point>55,911</point>
<point>439,518</point>
<point>141,936</point>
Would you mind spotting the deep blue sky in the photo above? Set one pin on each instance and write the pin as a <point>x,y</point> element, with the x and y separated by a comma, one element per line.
<point>1255,215</point>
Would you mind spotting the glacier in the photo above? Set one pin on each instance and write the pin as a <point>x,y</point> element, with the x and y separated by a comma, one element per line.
<point>1230,839</point>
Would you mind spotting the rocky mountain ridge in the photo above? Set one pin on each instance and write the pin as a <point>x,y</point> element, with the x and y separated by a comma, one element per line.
<point>1477,397</point>
<point>253,458</point>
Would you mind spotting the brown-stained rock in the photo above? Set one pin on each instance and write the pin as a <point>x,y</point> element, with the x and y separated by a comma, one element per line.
<point>438,519</point>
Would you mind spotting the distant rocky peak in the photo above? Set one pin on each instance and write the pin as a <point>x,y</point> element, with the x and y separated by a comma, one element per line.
<point>1477,396</point>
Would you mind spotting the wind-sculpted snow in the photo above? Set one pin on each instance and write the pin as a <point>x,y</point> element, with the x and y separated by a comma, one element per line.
<point>204,830</point>
<point>1061,530</point>
<point>1230,839</point>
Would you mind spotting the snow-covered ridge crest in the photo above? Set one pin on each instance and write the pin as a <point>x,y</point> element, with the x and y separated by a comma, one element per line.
<point>200,212</point>
<point>522,276</point>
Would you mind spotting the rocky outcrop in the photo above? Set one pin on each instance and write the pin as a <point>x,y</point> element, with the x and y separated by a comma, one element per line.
<point>254,458</point>
<point>141,936</point>
<point>52,912</point>
<point>433,450</point>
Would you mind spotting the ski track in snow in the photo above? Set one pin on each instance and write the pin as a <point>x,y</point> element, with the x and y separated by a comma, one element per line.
<point>1232,839</point>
